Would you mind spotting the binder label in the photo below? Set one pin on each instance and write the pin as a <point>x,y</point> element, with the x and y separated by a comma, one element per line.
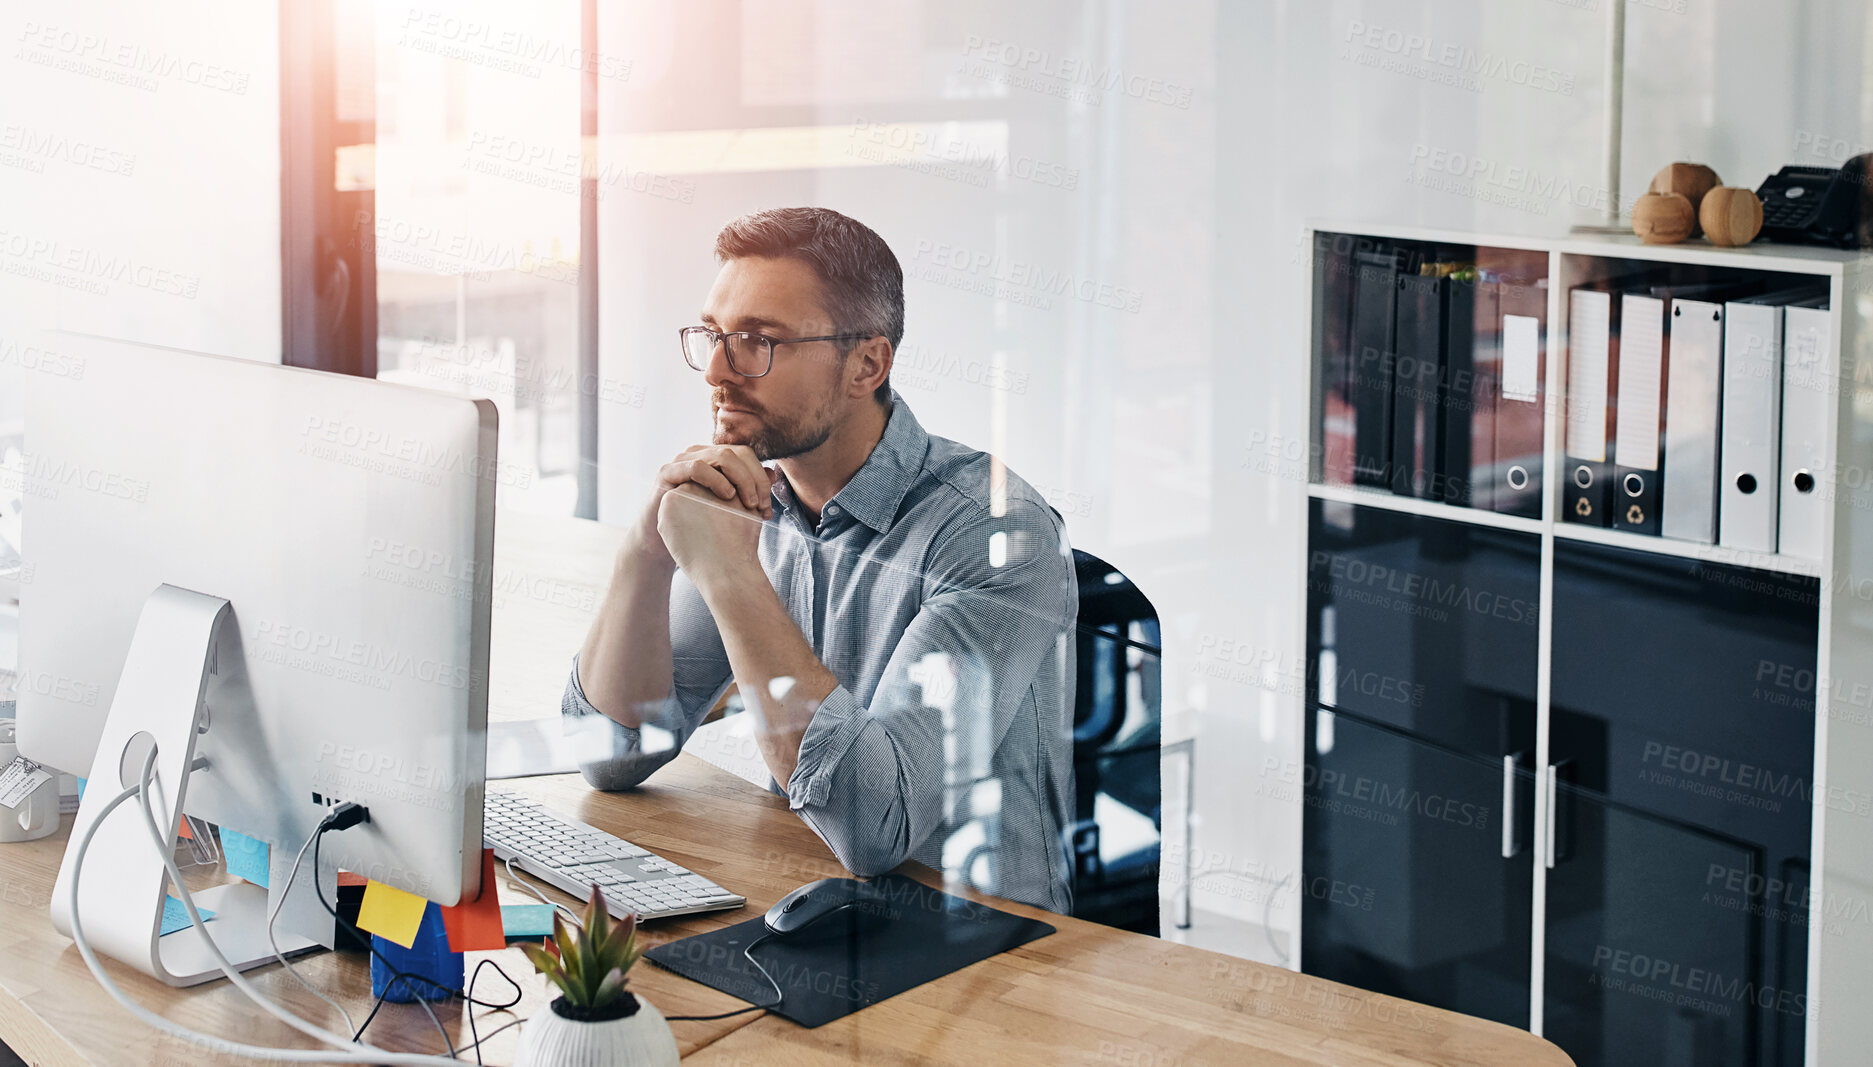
<point>1589,324</point>
<point>1641,359</point>
<point>1521,358</point>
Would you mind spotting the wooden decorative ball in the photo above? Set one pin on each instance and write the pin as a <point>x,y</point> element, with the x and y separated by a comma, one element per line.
<point>1692,180</point>
<point>1663,218</point>
<point>1731,215</point>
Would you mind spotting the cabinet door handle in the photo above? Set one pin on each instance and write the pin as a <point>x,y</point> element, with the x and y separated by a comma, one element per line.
<point>1508,807</point>
<point>1553,794</point>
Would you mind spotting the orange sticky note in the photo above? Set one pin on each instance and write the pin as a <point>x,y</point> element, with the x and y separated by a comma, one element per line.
<point>348,878</point>
<point>475,926</point>
<point>390,913</point>
<point>185,833</point>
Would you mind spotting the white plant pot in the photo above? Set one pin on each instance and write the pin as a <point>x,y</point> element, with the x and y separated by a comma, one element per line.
<point>642,1039</point>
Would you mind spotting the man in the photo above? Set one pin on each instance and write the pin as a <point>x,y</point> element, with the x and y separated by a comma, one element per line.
<point>895,609</point>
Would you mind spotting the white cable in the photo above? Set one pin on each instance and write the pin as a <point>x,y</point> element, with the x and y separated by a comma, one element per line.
<point>367,1055</point>
<point>273,916</point>
<point>514,875</point>
<point>253,993</point>
<point>294,971</point>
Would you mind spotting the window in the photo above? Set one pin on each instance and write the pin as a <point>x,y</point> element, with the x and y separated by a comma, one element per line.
<point>449,232</point>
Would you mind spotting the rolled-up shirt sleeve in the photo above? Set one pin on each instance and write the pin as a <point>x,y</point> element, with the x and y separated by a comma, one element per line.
<point>873,781</point>
<point>618,757</point>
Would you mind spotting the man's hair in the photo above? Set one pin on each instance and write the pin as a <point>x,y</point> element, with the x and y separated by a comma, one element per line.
<point>860,278</point>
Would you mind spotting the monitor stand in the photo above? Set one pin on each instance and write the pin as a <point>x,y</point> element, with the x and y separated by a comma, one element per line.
<point>159,701</point>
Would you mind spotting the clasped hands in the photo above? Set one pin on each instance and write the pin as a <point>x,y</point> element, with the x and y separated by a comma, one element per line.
<point>706,512</point>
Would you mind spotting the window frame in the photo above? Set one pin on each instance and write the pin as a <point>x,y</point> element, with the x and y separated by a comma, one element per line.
<point>328,275</point>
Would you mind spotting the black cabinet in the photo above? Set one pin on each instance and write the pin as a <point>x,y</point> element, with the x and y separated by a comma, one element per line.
<point>1425,625</point>
<point>1655,953</point>
<point>1680,769</point>
<point>1682,737</point>
<point>1423,641</point>
<point>1417,876</point>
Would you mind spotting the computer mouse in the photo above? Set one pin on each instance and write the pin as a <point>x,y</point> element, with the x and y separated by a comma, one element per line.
<point>865,902</point>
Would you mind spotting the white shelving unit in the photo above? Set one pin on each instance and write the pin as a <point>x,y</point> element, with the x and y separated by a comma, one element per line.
<point>1840,961</point>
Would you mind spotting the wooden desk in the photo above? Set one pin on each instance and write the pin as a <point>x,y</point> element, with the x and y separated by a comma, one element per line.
<point>1085,994</point>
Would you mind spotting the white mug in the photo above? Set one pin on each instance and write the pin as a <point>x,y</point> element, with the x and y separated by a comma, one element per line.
<point>38,814</point>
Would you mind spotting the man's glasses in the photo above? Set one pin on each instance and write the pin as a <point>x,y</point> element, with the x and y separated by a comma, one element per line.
<point>750,355</point>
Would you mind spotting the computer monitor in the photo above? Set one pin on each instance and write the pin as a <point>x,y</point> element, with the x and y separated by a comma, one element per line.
<point>349,526</point>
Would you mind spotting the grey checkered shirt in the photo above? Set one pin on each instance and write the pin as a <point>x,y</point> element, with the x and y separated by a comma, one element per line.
<point>949,739</point>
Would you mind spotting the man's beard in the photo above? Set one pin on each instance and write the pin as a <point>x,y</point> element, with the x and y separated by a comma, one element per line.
<point>777,437</point>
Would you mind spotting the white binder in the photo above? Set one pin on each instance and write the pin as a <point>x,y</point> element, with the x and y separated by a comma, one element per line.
<point>1693,396</point>
<point>1807,451</point>
<point>1751,432</point>
<point>1586,472</point>
<point>1639,407</point>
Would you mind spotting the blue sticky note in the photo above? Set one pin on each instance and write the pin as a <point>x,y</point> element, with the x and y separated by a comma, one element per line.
<point>176,917</point>
<point>246,857</point>
<point>81,786</point>
<point>527,920</point>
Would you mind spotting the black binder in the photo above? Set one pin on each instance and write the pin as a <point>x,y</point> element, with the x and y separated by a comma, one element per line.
<point>1592,371</point>
<point>1588,441</point>
<point>1375,290</point>
<point>1468,422</point>
<point>1417,382</point>
<point>1520,401</point>
<point>1638,477</point>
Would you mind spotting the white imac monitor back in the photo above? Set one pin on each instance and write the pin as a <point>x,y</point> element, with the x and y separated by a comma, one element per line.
<point>349,523</point>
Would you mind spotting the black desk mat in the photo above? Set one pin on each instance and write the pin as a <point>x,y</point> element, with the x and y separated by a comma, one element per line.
<point>846,962</point>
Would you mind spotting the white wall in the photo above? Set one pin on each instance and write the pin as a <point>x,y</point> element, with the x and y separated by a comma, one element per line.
<point>139,172</point>
<point>139,194</point>
<point>1167,428</point>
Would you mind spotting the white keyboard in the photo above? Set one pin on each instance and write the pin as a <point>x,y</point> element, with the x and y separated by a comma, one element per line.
<point>574,857</point>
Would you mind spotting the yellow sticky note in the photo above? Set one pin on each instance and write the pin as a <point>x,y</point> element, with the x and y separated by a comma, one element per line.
<point>391,913</point>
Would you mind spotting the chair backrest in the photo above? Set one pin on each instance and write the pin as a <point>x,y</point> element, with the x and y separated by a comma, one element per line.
<point>1117,731</point>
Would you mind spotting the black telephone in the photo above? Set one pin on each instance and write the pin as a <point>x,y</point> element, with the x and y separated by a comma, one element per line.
<point>1816,205</point>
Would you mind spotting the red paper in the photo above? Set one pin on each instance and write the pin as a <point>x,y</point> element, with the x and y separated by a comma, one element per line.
<point>475,926</point>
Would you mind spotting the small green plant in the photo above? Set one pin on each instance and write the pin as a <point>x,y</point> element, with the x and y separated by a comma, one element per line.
<point>588,961</point>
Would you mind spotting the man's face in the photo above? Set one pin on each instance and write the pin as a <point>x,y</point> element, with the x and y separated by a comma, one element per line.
<point>792,409</point>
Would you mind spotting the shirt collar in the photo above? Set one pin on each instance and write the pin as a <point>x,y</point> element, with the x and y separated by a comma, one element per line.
<point>873,494</point>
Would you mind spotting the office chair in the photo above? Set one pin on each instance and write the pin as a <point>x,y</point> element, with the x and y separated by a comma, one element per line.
<point>1117,728</point>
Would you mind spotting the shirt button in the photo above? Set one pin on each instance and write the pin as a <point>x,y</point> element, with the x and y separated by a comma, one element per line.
<point>832,509</point>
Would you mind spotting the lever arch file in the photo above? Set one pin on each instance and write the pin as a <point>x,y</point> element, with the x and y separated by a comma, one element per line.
<point>1637,415</point>
<point>1370,390</point>
<point>1590,367</point>
<point>1693,395</point>
<point>1417,384</point>
<point>1807,450</point>
<point>1752,413</point>
<point>1519,423</point>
